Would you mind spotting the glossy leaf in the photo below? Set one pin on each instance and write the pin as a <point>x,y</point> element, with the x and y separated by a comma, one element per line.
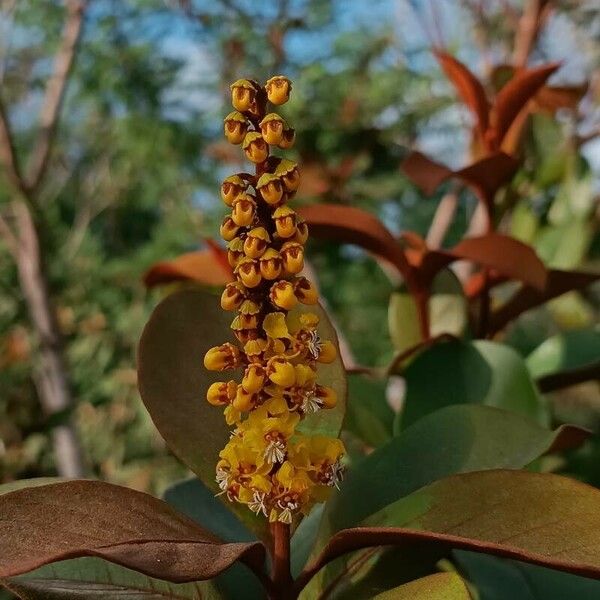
<point>442,586</point>
<point>565,352</point>
<point>538,518</point>
<point>203,266</point>
<point>173,384</point>
<point>94,578</point>
<point>513,97</point>
<point>469,88</point>
<point>558,283</point>
<point>424,172</point>
<point>351,225</point>
<point>480,372</point>
<point>66,520</point>
<point>553,98</point>
<point>304,539</point>
<point>454,439</point>
<point>486,176</point>
<point>195,500</point>
<point>506,255</point>
<point>489,174</point>
<point>498,579</point>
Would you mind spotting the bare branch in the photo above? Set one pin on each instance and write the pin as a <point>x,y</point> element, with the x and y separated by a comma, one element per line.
<point>444,215</point>
<point>8,155</point>
<point>55,91</point>
<point>530,24</point>
<point>9,237</point>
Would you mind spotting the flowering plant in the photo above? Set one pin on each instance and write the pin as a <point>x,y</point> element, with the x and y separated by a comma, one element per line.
<point>268,513</point>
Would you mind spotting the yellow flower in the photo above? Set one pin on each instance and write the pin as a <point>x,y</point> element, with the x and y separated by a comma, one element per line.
<point>231,188</point>
<point>256,242</point>
<point>285,221</point>
<point>255,147</point>
<point>282,295</point>
<point>243,94</point>
<point>292,256</point>
<point>280,371</point>
<point>305,291</point>
<point>223,357</point>
<point>235,127</point>
<point>270,264</point>
<point>270,188</point>
<point>233,295</point>
<point>228,229</point>
<point>278,89</point>
<point>287,139</point>
<point>243,209</point>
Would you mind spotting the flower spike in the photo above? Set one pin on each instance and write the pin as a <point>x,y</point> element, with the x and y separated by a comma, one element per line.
<point>268,465</point>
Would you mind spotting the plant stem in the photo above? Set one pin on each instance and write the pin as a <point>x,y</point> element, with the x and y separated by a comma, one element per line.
<point>282,577</point>
<point>422,301</point>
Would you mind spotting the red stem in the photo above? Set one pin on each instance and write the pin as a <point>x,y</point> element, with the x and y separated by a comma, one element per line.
<point>422,301</point>
<point>282,577</point>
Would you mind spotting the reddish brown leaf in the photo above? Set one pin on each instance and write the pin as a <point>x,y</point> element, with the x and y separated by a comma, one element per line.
<point>425,173</point>
<point>468,87</point>
<point>569,437</point>
<point>489,174</point>
<point>552,98</point>
<point>204,266</point>
<point>513,97</point>
<point>558,283</point>
<point>486,176</point>
<point>506,255</point>
<point>352,225</point>
<point>45,524</point>
<point>538,518</point>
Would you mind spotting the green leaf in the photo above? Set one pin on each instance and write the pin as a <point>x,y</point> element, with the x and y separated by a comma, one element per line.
<point>88,578</point>
<point>564,352</point>
<point>173,384</point>
<point>447,312</point>
<point>481,372</point>
<point>442,586</point>
<point>194,499</point>
<point>304,539</point>
<point>368,414</point>
<point>72,519</point>
<point>454,439</point>
<point>538,518</point>
<point>497,579</point>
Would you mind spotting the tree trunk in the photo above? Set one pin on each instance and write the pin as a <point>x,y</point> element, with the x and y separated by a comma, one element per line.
<point>50,374</point>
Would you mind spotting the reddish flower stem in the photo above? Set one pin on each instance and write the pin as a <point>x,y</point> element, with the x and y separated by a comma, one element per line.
<point>282,577</point>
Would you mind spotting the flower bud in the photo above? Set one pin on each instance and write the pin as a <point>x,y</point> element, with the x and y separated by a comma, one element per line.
<point>270,188</point>
<point>223,357</point>
<point>281,372</point>
<point>278,89</point>
<point>282,295</point>
<point>235,127</point>
<point>305,291</point>
<point>270,264</point>
<point>326,394</point>
<point>254,349</point>
<point>301,234</point>
<point>248,271</point>
<point>235,252</point>
<point>285,221</point>
<point>244,401</point>
<point>272,127</point>
<point>231,188</point>
<point>243,94</point>
<point>288,171</point>
<point>292,256</point>
<point>228,229</point>
<point>287,139</point>
<point>254,378</point>
<point>221,393</point>
<point>233,295</point>
<point>327,352</point>
<point>255,147</point>
<point>244,210</point>
<point>256,242</point>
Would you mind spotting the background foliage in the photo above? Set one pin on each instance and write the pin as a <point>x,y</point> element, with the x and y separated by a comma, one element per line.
<point>137,161</point>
